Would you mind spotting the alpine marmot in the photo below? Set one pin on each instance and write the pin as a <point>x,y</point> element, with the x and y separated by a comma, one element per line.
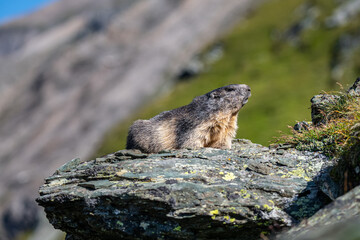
<point>210,120</point>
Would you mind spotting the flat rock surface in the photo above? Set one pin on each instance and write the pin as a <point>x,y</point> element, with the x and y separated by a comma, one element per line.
<point>186,194</point>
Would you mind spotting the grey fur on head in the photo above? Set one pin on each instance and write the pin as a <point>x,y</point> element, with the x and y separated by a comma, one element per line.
<point>210,120</point>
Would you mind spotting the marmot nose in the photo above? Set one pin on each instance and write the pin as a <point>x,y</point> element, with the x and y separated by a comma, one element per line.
<point>247,88</point>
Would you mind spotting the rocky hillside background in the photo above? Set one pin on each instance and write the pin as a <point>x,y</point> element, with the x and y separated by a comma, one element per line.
<point>72,70</point>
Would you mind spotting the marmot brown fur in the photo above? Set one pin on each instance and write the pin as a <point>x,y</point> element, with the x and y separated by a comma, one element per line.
<point>210,120</point>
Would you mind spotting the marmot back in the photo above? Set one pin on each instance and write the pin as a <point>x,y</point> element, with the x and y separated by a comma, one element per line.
<point>210,120</point>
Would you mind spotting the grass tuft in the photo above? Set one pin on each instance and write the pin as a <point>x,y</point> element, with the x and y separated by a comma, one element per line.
<point>335,138</point>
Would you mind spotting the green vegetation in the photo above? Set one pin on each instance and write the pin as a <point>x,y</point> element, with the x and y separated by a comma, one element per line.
<point>340,133</point>
<point>282,73</point>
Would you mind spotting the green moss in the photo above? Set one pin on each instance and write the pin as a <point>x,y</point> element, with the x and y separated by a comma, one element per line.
<point>282,77</point>
<point>177,229</point>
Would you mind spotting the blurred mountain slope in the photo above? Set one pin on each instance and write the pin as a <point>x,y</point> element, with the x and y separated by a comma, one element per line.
<point>286,51</point>
<point>73,69</point>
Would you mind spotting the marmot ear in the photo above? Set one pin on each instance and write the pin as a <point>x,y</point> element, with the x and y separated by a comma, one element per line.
<point>215,95</point>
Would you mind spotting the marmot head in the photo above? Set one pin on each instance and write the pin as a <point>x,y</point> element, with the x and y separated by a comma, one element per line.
<point>228,99</point>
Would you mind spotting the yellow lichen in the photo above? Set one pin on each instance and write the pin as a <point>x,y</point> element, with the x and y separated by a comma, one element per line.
<point>247,196</point>
<point>120,173</point>
<point>214,212</point>
<point>229,176</point>
<point>57,182</point>
<point>267,207</point>
<point>299,172</point>
<point>244,194</point>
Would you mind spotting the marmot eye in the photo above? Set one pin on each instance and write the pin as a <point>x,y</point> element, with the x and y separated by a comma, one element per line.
<point>230,89</point>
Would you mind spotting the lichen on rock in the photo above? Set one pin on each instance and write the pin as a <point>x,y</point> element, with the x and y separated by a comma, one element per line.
<point>186,194</point>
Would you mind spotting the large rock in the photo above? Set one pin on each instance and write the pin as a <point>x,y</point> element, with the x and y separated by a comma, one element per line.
<point>187,194</point>
<point>319,108</point>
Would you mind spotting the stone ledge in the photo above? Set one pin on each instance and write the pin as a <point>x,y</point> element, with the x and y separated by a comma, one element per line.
<point>186,194</point>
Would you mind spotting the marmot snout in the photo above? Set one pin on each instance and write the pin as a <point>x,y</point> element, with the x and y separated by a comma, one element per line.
<point>210,120</point>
